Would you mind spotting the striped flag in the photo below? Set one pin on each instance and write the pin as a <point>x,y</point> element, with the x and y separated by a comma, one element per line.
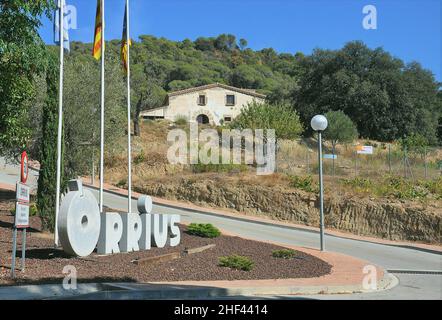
<point>65,26</point>
<point>124,46</point>
<point>99,26</point>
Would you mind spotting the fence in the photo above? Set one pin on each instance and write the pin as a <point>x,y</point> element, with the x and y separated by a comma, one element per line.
<point>301,158</point>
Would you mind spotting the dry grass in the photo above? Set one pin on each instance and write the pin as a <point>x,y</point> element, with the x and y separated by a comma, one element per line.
<point>294,158</point>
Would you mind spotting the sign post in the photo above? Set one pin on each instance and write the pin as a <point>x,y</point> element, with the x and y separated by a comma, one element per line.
<point>21,221</point>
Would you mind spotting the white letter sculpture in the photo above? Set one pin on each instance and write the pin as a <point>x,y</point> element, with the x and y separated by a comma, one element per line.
<point>132,229</point>
<point>110,234</point>
<point>79,221</point>
<point>81,226</point>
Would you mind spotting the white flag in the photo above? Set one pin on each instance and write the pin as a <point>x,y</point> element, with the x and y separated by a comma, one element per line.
<point>65,26</point>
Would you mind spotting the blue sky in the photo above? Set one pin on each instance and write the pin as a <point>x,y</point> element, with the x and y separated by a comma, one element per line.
<point>409,29</point>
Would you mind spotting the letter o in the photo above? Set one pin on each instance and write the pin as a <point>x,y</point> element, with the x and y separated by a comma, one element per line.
<point>79,223</point>
<point>144,204</point>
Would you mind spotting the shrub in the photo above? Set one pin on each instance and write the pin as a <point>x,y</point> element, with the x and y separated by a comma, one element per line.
<point>414,143</point>
<point>203,230</point>
<point>237,262</point>
<point>284,253</point>
<point>304,183</point>
<point>361,184</point>
<point>218,167</point>
<point>139,158</point>
<point>397,187</point>
<point>122,183</point>
<point>221,168</point>
<point>181,120</point>
<point>434,186</point>
<point>401,188</point>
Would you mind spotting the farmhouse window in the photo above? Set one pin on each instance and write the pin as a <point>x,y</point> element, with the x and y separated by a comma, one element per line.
<point>202,100</point>
<point>230,100</point>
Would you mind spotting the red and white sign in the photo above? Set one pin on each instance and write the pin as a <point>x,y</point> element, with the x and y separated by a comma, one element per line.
<point>364,149</point>
<point>23,193</point>
<point>21,215</point>
<point>24,167</point>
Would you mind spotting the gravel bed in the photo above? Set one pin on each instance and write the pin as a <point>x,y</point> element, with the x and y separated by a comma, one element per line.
<point>44,264</point>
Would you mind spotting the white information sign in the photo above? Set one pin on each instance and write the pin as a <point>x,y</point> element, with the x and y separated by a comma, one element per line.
<point>23,192</point>
<point>330,156</point>
<point>364,149</point>
<point>21,215</point>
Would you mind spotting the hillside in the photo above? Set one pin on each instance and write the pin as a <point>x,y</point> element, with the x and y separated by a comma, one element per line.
<point>386,97</point>
<point>370,202</point>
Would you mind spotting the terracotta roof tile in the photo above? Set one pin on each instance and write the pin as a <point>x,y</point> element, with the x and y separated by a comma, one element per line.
<point>249,92</point>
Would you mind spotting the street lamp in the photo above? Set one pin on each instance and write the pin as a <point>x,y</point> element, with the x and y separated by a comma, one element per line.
<point>319,123</point>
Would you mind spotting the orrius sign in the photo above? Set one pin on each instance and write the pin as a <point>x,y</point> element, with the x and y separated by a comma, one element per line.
<point>82,228</point>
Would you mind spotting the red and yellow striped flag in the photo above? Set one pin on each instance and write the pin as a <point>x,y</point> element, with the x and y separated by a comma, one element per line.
<point>124,47</point>
<point>97,50</point>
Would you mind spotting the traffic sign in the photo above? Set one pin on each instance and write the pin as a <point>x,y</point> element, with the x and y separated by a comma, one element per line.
<point>24,167</point>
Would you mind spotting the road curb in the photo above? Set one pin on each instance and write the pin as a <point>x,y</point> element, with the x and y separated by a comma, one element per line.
<point>175,291</point>
<point>46,291</point>
<point>169,291</point>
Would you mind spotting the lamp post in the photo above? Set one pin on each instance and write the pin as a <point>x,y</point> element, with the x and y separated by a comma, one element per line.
<point>319,123</point>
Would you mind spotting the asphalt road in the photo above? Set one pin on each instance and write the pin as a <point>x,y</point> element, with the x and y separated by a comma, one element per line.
<point>411,286</point>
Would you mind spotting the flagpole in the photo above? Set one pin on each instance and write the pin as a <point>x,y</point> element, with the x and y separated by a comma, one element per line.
<point>102,110</point>
<point>60,121</point>
<point>129,147</point>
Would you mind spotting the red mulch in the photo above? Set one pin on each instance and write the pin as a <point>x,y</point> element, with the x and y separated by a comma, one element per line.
<point>44,264</point>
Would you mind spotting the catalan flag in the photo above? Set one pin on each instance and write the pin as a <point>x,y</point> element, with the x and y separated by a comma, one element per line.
<point>124,46</point>
<point>99,26</point>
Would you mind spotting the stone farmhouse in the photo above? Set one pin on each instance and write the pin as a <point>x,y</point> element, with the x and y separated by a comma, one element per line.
<point>210,104</point>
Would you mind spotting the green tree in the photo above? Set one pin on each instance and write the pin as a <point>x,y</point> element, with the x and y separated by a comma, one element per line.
<point>439,131</point>
<point>82,116</point>
<point>246,76</point>
<point>414,143</point>
<point>279,117</point>
<point>340,130</point>
<point>48,158</point>
<point>377,91</point>
<point>176,85</point>
<point>205,44</point>
<point>22,57</point>
<point>146,94</point>
<point>243,44</point>
<point>225,42</point>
